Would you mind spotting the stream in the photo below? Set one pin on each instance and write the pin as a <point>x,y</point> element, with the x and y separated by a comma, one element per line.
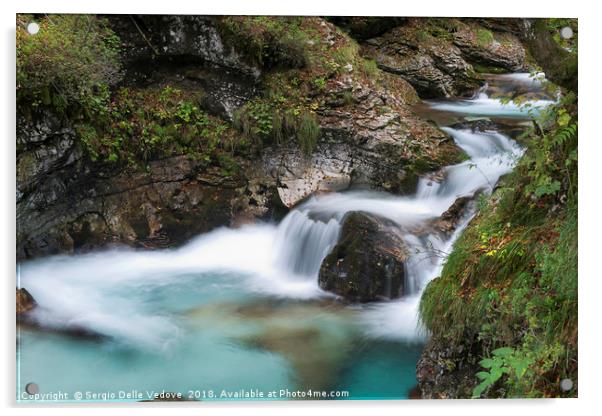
<point>239,311</point>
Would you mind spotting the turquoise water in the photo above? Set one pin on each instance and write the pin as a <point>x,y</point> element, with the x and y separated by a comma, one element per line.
<point>226,341</point>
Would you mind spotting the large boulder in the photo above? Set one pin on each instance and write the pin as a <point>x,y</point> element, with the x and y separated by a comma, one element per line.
<point>367,264</point>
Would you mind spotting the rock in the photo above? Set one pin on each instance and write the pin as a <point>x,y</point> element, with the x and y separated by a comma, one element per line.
<point>448,221</point>
<point>477,126</point>
<point>152,39</point>
<point>188,53</point>
<point>374,142</point>
<point>434,66</point>
<point>490,49</point>
<point>366,27</point>
<point>43,146</point>
<point>438,58</point>
<point>25,302</point>
<point>446,370</point>
<point>367,264</point>
<point>165,206</point>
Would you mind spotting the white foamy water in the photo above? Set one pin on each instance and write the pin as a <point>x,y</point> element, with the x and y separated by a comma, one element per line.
<point>483,105</point>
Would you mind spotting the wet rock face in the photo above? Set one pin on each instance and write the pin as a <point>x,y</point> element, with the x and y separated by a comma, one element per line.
<point>440,61</point>
<point>25,302</point>
<point>367,264</point>
<point>170,204</point>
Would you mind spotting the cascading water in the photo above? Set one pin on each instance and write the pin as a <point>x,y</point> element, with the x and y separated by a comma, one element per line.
<point>191,318</point>
<point>302,243</point>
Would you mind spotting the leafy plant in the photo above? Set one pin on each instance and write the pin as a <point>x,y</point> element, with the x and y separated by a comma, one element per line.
<point>504,360</point>
<point>551,161</point>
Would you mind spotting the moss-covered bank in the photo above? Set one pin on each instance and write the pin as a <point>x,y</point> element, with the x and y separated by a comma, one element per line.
<point>503,314</point>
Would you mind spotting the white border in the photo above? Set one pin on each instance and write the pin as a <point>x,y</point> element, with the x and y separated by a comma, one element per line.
<point>590,374</point>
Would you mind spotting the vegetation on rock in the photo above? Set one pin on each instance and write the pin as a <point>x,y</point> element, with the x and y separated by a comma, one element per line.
<point>509,288</point>
<point>140,125</point>
<point>315,57</point>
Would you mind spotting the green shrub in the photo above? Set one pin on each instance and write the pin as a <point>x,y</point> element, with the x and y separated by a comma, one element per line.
<point>149,124</point>
<point>68,64</point>
<point>264,122</point>
<point>255,121</point>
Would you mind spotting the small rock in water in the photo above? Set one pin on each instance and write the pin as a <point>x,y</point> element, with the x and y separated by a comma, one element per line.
<point>25,302</point>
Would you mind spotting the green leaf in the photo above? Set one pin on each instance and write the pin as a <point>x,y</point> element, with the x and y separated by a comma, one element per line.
<point>482,375</point>
<point>564,119</point>
<point>478,390</point>
<point>486,363</point>
<point>503,352</point>
<point>497,373</point>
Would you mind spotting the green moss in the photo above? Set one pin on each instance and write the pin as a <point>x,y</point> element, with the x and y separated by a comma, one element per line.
<point>268,41</point>
<point>484,37</point>
<point>484,69</point>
